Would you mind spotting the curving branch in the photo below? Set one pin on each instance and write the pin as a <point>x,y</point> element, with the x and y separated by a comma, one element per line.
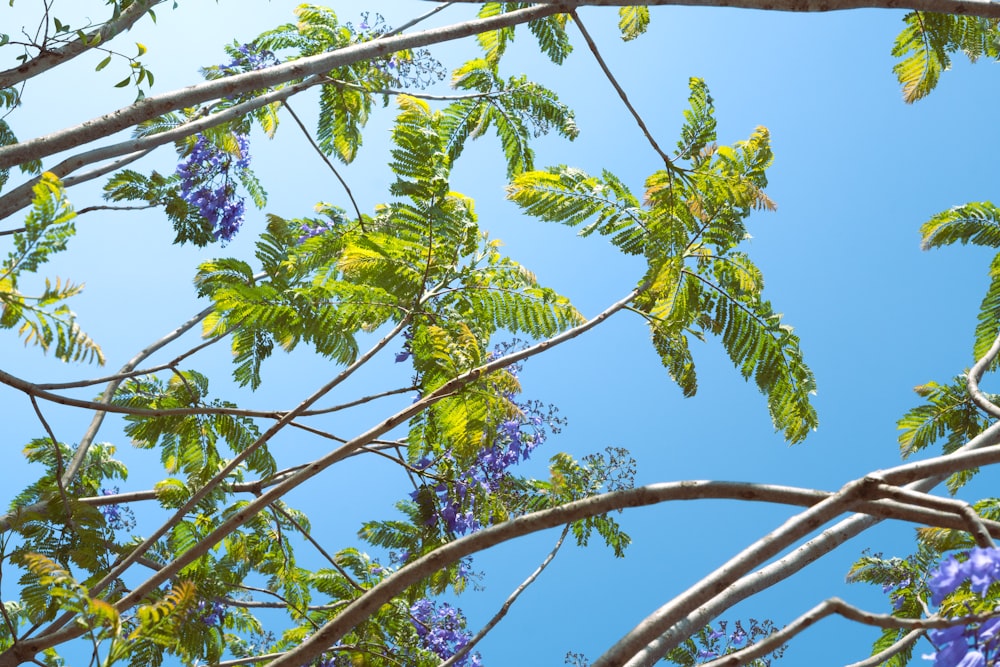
<point>851,613</point>
<point>326,160</point>
<point>674,622</point>
<point>897,648</point>
<point>542,520</point>
<point>974,523</point>
<point>976,374</point>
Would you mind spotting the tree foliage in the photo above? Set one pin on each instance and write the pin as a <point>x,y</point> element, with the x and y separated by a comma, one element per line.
<point>214,563</point>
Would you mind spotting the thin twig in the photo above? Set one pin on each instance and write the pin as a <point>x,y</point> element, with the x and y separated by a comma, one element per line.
<point>55,632</point>
<point>497,617</point>
<point>329,164</point>
<point>60,473</point>
<point>106,396</point>
<point>316,545</point>
<point>415,21</point>
<point>131,374</point>
<point>621,93</point>
<point>109,207</point>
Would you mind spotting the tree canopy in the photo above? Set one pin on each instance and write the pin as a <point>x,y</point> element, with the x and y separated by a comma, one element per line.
<point>346,416</point>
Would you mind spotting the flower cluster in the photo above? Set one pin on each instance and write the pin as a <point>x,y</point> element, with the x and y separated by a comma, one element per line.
<point>896,597</point>
<point>711,643</point>
<point>976,644</point>
<point>118,517</point>
<point>245,58</point>
<point>407,351</point>
<point>513,443</point>
<point>729,641</point>
<point>310,230</point>
<point>207,182</point>
<point>415,68</point>
<point>212,614</point>
<point>441,630</point>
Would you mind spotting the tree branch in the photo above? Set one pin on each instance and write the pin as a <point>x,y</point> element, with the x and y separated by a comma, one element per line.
<point>192,96</point>
<point>50,58</point>
<point>982,8</point>
<point>850,612</point>
<point>619,90</point>
<point>511,599</point>
<point>976,374</point>
<point>689,618</point>
<point>898,647</point>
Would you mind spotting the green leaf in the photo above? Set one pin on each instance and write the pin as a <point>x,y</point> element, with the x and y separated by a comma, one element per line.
<point>698,130</point>
<point>633,21</point>
<point>925,43</point>
<point>977,223</point>
<point>947,413</point>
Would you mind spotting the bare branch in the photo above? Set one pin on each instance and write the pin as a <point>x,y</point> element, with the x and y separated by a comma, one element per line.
<point>618,89</point>
<point>898,647</point>
<point>983,8</point>
<point>959,507</point>
<point>976,374</point>
<point>850,612</point>
<point>694,617</point>
<point>508,603</point>
<point>329,164</point>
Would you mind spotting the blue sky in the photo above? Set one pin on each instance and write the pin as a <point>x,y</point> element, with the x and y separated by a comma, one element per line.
<point>856,172</point>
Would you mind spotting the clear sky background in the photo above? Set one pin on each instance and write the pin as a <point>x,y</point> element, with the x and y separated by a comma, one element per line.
<point>856,173</point>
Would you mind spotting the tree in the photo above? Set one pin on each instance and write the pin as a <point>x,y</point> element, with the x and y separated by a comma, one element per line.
<point>416,278</point>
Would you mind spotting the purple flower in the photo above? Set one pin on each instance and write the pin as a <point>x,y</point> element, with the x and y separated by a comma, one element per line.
<point>948,576</point>
<point>988,632</point>
<point>947,635</point>
<point>206,175</point>
<point>212,614</point>
<point>246,59</point>
<point>950,655</point>
<point>973,659</point>
<point>441,630</point>
<point>310,231</point>
<point>117,517</point>
<point>983,566</point>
